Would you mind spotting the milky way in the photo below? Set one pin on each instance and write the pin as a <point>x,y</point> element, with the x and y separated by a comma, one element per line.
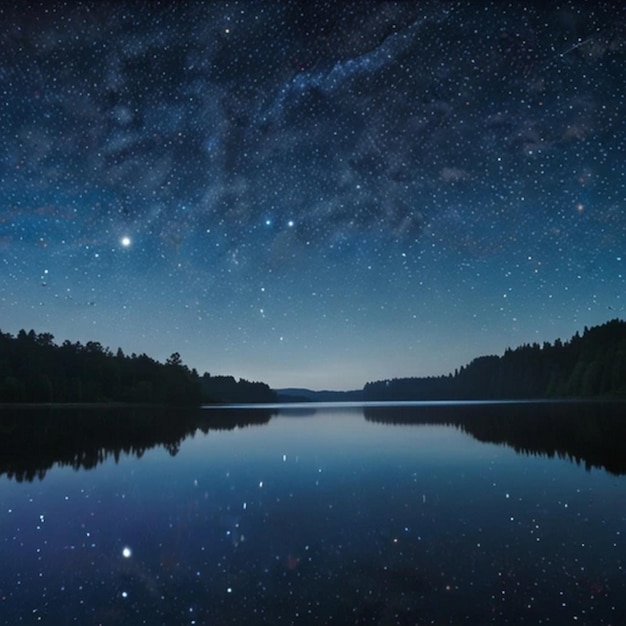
<point>314,194</point>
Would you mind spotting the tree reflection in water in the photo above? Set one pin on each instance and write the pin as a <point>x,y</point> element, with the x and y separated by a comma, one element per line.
<point>33,440</point>
<point>591,433</point>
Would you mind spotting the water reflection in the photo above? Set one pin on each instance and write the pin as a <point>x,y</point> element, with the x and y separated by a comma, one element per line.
<point>328,519</point>
<point>34,440</point>
<point>590,433</point>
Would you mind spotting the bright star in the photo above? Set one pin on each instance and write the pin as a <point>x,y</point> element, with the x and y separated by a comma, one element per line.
<point>125,241</point>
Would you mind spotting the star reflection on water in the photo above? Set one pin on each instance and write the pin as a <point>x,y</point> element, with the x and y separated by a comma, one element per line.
<point>362,515</point>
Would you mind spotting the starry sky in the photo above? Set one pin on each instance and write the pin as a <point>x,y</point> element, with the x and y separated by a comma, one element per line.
<point>312,194</point>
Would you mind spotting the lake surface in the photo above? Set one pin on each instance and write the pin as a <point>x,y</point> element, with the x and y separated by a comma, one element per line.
<point>410,514</point>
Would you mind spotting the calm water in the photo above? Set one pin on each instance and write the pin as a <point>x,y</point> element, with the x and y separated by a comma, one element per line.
<point>464,514</point>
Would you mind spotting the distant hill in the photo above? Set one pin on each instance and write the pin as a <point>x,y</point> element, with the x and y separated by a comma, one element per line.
<point>296,394</point>
<point>591,365</point>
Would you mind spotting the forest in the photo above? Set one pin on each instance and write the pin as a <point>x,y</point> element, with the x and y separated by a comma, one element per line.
<point>33,369</point>
<point>589,365</point>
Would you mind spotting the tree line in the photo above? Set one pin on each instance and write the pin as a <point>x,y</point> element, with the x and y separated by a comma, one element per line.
<point>33,368</point>
<point>589,365</point>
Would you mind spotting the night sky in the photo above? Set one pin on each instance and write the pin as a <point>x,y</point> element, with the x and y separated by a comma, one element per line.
<point>312,193</point>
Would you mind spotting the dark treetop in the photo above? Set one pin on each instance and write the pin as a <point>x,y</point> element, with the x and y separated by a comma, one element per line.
<point>34,369</point>
<point>593,364</point>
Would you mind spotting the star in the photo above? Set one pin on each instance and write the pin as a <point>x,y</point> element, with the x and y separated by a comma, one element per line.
<point>402,161</point>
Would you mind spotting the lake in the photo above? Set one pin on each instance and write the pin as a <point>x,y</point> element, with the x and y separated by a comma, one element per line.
<point>387,514</point>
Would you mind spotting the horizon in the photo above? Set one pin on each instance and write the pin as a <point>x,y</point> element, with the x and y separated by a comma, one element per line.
<point>358,387</point>
<point>317,195</point>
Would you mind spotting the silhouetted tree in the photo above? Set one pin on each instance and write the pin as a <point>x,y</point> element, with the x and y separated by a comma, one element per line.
<point>589,365</point>
<point>34,369</point>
